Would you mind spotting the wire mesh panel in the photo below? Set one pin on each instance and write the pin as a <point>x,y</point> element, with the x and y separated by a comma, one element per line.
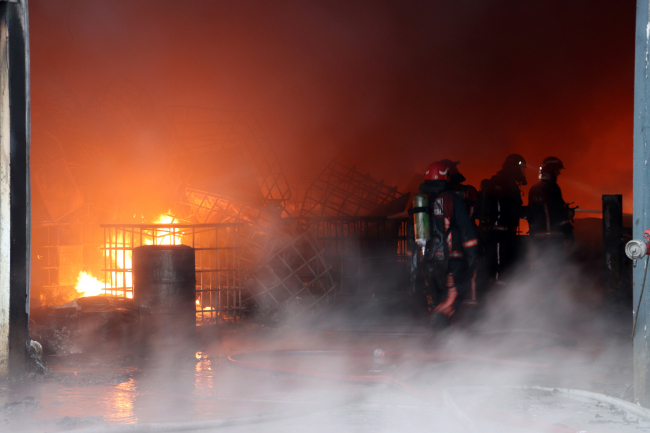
<point>293,275</point>
<point>343,191</point>
<point>368,255</point>
<point>218,271</point>
<point>60,252</point>
<point>205,207</point>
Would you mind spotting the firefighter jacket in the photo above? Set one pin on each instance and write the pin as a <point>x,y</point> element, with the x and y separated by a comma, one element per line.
<point>469,194</point>
<point>510,205</point>
<point>548,214</point>
<point>450,217</point>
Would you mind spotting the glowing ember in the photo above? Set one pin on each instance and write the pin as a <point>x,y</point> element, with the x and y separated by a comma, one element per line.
<point>87,285</point>
<point>199,307</point>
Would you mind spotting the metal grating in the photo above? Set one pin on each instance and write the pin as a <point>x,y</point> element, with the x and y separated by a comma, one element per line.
<point>62,250</point>
<point>293,275</point>
<point>343,191</point>
<point>368,255</point>
<point>218,270</point>
<point>205,207</point>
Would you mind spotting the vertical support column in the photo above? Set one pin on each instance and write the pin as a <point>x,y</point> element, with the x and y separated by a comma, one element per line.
<point>612,244</point>
<point>14,186</point>
<point>641,193</point>
<point>4,193</point>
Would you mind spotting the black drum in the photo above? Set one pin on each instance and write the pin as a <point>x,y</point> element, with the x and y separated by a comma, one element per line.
<point>164,289</point>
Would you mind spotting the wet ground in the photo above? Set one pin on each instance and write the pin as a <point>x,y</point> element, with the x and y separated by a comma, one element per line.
<point>192,380</point>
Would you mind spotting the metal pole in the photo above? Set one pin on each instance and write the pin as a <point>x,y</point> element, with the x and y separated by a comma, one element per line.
<point>612,245</point>
<point>641,192</point>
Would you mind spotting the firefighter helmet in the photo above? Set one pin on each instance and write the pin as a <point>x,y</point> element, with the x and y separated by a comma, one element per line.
<point>514,166</point>
<point>455,177</point>
<point>514,161</point>
<point>437,171</point>
<point>551,165</point>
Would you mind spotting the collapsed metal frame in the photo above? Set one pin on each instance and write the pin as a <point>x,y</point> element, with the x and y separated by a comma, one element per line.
<point>46,270</point>
<point>206,207</point>
<point>343,191</point>
<point>367,255</point>
<point>293,274</point>
<point>57,235</point>
<point>218,270</point>
<point>260,222</point>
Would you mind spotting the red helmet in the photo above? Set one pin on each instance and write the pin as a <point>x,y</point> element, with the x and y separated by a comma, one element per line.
<point>454,175</point>
<point>451,165</point>
<point>437,171</point>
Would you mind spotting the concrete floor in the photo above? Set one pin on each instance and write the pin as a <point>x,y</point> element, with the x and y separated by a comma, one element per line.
<point>192,380</point>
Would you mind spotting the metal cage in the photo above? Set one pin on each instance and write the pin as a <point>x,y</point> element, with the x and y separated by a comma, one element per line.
<point>218,270</point>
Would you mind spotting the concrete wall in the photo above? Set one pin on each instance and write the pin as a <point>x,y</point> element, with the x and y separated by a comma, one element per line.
<point>14,186</point>
<point>641,193</point>
<point>4,197</point>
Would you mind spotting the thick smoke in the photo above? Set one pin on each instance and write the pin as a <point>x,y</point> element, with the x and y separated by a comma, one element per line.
<point>387,87</point>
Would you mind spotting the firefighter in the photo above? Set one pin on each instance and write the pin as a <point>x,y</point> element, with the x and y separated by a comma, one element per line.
<point>448,249</point>
<point>469,194</point>
<point>501,209</point>
<point>549,216</point>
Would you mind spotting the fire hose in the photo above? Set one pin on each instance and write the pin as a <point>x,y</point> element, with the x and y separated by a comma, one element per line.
<point>636,313</point>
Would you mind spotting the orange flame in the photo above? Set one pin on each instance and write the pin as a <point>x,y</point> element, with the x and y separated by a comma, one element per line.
<point>165,236</point>
<point>123,259</point>
<point>87,285</point>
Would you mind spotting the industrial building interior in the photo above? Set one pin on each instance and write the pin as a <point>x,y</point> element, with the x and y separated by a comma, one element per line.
<point>209,216</point>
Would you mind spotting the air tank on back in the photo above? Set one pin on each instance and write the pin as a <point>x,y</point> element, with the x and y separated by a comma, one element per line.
<point>421,221</point>
<point>164,289</point>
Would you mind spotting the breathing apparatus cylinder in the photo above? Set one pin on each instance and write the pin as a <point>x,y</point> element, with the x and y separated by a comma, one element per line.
<point>421,220</point>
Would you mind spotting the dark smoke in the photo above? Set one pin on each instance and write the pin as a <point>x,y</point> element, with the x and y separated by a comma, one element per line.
<point>388,86</point>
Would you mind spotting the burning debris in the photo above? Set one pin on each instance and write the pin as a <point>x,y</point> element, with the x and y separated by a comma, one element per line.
<point>87,285</point>
<point>228,199</point>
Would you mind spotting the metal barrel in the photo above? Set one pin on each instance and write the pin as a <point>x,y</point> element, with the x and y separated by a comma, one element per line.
<point>164,288</point>
<point>421,216</point>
